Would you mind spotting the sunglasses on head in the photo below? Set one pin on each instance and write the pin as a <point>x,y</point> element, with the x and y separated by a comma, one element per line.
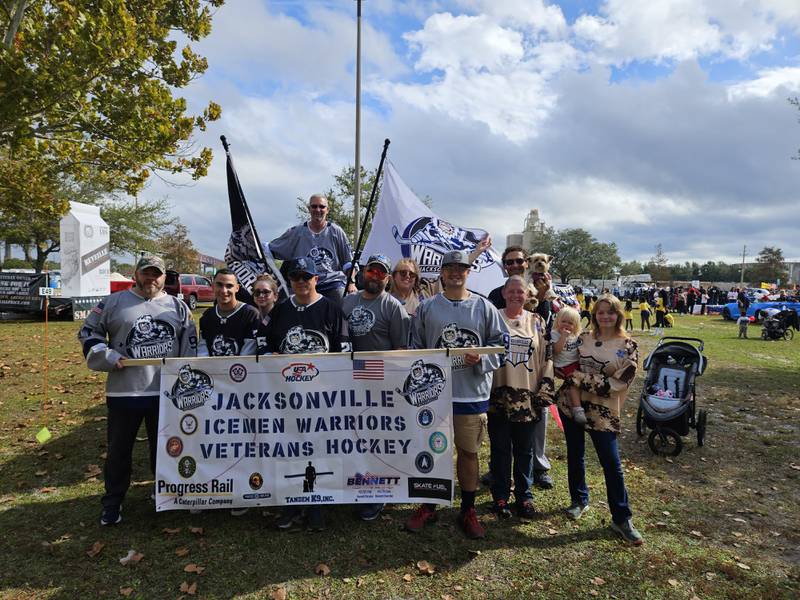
<point>300,276</point>
<point>514,261</point>
<point>258,293</point>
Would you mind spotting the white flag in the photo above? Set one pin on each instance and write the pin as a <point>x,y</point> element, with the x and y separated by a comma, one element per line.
<point>404,227</point>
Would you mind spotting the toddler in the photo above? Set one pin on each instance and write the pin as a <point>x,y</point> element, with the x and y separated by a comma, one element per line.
<point>743,322</point>
<point>564,336</point>
<point>628,315</point>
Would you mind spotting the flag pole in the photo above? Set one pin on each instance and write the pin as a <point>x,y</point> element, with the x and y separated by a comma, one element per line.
<point>357,173</point>
<point>357,253</point>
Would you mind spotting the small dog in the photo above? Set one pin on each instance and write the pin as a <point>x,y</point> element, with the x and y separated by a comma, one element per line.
<point>540,263</point>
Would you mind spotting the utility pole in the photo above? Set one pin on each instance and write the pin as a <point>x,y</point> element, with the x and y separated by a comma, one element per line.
<point>357,190</point>
<point>744,253</point>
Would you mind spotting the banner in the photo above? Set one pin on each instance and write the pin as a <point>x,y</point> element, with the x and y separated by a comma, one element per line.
<point>305,429</point>
<point>245,255</point>
<point>404,227</point>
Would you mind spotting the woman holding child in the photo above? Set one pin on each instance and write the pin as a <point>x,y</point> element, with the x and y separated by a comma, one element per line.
<point>608,359</point>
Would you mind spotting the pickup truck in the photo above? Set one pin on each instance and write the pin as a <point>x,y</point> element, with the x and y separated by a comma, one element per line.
<point>192,288</point>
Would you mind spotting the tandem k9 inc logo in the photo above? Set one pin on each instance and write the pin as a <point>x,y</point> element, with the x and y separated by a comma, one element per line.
<point>430,487</point>
<point>192,389</point>
<point>297,372</point>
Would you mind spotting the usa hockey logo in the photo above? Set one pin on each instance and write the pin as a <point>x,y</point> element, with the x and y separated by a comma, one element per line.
<point>427,239</point>
<point>192,389</point>
<point>424,383</point>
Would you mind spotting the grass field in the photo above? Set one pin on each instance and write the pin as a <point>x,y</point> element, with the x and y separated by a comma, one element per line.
<point>721,521</point>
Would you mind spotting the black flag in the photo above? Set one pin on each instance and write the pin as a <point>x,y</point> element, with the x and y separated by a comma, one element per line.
<point>246,255</point>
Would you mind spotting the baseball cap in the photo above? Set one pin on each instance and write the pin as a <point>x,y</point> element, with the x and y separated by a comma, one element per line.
<point>302,265</point>
<point>456,257</point>
<point>382,260</point>
<point>151,261</point>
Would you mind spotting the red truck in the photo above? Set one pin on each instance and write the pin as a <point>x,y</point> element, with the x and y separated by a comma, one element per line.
<point>192,288</point>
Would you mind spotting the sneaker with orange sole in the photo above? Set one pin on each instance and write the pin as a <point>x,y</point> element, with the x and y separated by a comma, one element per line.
<point>468,521</point>
<point>423,515</point>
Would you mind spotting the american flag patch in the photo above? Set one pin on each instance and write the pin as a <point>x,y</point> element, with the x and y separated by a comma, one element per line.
<point>368,369</point>
<point>98,310</point>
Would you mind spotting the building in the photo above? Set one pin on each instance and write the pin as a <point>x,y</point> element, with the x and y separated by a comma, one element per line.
<point>532,233</point>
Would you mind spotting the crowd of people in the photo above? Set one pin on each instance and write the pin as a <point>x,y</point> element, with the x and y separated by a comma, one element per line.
<point>548,362</point>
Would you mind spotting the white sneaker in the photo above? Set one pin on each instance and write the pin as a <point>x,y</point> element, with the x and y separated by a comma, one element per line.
<point>238,512</point>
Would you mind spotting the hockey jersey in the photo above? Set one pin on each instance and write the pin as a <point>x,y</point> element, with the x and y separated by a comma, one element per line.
<point>305,329</point>
<point>235,334</point>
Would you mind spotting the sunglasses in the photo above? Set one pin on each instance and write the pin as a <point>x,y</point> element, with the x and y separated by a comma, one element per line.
<point>375,273</point>
<point>406,273</point>
<point>514,261</point>
<point>301,276</point>
<point>258,293</point>
<point>318,206</point>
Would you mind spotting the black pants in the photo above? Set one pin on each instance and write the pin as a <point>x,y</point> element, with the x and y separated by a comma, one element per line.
<point>660,318</point>
<point>123,424</point>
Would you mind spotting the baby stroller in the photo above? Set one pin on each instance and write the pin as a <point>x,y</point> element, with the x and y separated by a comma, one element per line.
<point>668,402</point>
<point>779,326</point>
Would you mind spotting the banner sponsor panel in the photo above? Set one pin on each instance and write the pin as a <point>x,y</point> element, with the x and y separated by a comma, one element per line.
<point>311,429</point>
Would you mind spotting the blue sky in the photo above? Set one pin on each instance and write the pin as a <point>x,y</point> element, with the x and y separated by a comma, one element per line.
<point>643,122</point>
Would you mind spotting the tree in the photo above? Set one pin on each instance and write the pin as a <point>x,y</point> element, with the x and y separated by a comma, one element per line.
<point>633,267</point>
<point>178,251</point>
<point>769,266</point>
<point>86,88</point>
<point>136,226</point>
<point>657,266</point>
<point>576,253</point>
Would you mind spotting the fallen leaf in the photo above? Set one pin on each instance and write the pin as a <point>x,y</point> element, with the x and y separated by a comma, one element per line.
<point>425,567</point>
<point>447,597</point>
<point>594,593</point>
<point>279,593</point>
<point>322,569</point>
<point>458,588</point>
<point>739,520</point>
<point>47,490</point>
<point>737,534</point>
<point>126,591</point>
<point>186,588</point>
<point>696,533</point>
<point>551,531</point>
<point>360,581</point>
<point>742,566</point>
<point>41,473</point>
<point>95,549</point>
<point>132,557</point>
<point>183,551</point>
<point>408,577</point>
<point>666,513</point>
<point>173,531</point>
<point>479,577</point>
<point>795,467</point>
<point>669,460</point>
<point>672,582</point>
<point>92,471</point>
<point>598,581</point>
<point>197,530</point>
<point>193,568</point>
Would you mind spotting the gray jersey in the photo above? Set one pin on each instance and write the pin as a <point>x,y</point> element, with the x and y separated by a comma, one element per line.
<point>378,324</point>
<point>473,322</point>
<point>329,249</point>
<point>125,325</point>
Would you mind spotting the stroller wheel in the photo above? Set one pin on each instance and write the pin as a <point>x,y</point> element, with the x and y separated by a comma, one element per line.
<point>788,334</point>
<point>764,334</point>
<point>665,442</point>
<point>702,417</point>
<point>641,426</point>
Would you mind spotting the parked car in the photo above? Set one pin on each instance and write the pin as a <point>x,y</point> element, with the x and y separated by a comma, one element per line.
<point>192,288</point>
<point>731,310</point>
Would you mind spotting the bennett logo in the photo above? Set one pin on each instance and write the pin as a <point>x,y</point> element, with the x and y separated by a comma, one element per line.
<point>192,389</point>
<point>237,372</point>
<point>372,480</point>
<point>430,487</point>
<point>296,372</point>
<point>424,384</point>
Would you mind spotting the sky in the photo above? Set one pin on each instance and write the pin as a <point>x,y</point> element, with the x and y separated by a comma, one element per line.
<point>661,122</point>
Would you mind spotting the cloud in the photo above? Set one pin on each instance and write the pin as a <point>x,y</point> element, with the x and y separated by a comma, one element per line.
<point>768,82</point>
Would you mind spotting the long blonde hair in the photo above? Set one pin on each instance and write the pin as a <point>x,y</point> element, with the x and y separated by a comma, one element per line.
<point>411,265</point>
<point>616,307</point>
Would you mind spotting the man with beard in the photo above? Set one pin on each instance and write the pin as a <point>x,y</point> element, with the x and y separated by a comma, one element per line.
<point>375,321</point>
<point>457,318</point>
<point>307,322</point>
<point>142,322</point>
<point>322,242</point>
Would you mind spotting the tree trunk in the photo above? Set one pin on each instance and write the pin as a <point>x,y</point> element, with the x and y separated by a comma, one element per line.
<point>7,251</point>
<point>13,26</point>
<point>26,248</point>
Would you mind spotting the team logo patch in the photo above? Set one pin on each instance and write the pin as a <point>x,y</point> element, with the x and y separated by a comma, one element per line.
<point>174,446</point>
<point>224,346</point>
<point>453,336</point>
<point>360,321</point>
<point>150,338</point>
<point>304,341</point>
<point>438,442</point>
<point>424,462</point>
<point>518,349</point>
<point>296,372</point>
<point>192,389</point>
<point>255,481</point>
<point>424,383</point>
<point>187,467</point>
<point>237,372</point>
<point>425,417</point>
<point>323,259</point>
<point>188,424</point>
<point>427,239</point>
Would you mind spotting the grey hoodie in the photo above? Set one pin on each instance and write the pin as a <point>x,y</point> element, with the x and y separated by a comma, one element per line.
<point>125,325</point>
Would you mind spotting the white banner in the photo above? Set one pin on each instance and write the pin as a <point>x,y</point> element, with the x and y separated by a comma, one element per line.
<point>310,429</point>
<point>404,227</point>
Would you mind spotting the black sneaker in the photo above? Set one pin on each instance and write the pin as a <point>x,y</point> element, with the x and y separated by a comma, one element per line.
<point>316,521</point>
<point>500,508</point>
<point>542,480</point>
<point>628,532</point>
<point>111,515</point>
<point>526,511</point>
<point>290,515</point>
<point>370,512</point>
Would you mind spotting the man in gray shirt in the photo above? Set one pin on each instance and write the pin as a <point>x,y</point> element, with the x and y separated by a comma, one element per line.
<point>375,321</point>
<point>457,318</point>
<point>323,242</point>
<point>142,322</point>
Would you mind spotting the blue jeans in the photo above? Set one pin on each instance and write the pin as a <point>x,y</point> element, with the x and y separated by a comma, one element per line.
<point>605,444</point>
<point>508,439</point>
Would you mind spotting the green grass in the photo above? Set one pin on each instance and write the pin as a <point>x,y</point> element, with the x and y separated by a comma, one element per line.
<point>734,502</point>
